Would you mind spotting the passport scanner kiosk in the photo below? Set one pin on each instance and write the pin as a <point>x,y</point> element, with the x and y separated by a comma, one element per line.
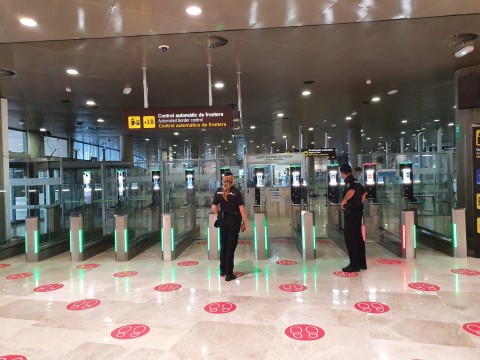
<point>151,212</point>
<point>333,192</point>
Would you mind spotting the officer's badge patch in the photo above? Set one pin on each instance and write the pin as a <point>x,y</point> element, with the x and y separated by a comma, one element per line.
<point>348,185</point>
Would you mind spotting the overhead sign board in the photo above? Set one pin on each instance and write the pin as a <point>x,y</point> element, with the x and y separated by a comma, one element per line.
<point>323,152</point>
<point>177,118</point>
<point>279,158</point>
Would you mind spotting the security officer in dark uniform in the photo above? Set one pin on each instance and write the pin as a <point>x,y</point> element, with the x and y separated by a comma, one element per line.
<point>231,219</point>
<point>354,195</point>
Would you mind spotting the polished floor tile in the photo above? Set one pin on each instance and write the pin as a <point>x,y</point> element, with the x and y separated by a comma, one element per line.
<point>127,318</point>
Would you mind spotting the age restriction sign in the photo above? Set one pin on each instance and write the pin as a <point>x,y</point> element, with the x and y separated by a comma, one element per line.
<point>201,242</point>
<point>12,357</point>
<point>424,286</point>
<point>244,242</point>
<point>304,332</point>
<point>465,271</point>
<point>472,328</point>
<point>2,266</point>
<point>389,261</point>
<point>85,304</point>
<point>322,241</point>
<point>168,287</point>
<point>128,332</point>
<point>286,262</point>
<point>220,307</point>
<point>292,287</point>
<point>19,276</point>
<point>123,274</point>
<point>372,307</point>
<point>345,274</point>
<point>88,266</point>
<point>48,287</point>
<point>188,263</point>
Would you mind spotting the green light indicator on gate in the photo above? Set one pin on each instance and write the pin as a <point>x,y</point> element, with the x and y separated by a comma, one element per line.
<point>70,240</point>
<point>255,233</point>
<point>36,241</point>
<point>80,240</point>
<point>125,234</point>
<point>26,242</point>
<point>161,239</point>
<point>303,232</point>
<point>455,240</point>
<point>314,238</point>
<point>208,239</point>
<point>115,240</point>
<point>414,236</point>
<point>266,235</point>
<point>172,240</point>
<point>218,238</point>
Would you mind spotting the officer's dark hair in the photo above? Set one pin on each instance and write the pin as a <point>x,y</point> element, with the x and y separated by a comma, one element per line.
<point>227,173</point>
<point>358,168</point>
<point>346,169</point>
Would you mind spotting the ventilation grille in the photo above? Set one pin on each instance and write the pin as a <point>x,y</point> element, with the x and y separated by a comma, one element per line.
<point>463,38</point>
<point>210,41</point>
<point>5,72</point>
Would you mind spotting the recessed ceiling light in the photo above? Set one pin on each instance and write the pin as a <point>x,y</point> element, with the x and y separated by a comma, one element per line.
<point>380,137</point>
<point>368,81</point>
<point>404,121</point>
<point>127,90</point>
<point>251,141</point>
<point>464,51</point>
<point>333,125</point>
<point>21,123</point>
<point>329,137</point>
<point>280,115</point>
<point>28,22</point>
<point>324,121</point>
<point>348,118</point>
<point>219,85</point>
<point>252,127</point>
<point>354,113</point>
<point>392,92</point>
<point>376,99</point>
<point>436,120</point>
<point>284,136</point>
<point>454,106</point>
<point>193,10</point>
<point>258,146</point>
<point>72,71</point>
<point>451,124</point>
<point>273,142</point>
<point>90,103</point>
<point>147,139</point>
<point>403,133</point>
<point>68,89</point>
<point>361,130</point>
<point>176,134</point>
<point>368,138</point>
<point>100,120</point>
<point>306,92</point>
<point>43,129</point>
<point>174,145</point>
<point>186,140</point>
<point>310,129</point>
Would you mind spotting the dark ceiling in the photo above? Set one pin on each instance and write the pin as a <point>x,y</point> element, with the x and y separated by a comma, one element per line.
<point>276,48</point>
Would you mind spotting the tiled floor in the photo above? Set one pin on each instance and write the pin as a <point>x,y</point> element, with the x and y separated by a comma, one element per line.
<point>175,325</point>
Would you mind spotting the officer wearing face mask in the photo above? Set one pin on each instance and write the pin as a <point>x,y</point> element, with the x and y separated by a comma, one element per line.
<point>232,218</point>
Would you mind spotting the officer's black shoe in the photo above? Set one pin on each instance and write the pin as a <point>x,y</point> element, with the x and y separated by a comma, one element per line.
<point>351,269</point>
<point>222,273</point>
<point>346,267</point>
<point>230,277</point>
<point>364,267</point>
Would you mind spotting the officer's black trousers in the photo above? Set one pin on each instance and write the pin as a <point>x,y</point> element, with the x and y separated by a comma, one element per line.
<point>354,238</point>
<point>228,243</point>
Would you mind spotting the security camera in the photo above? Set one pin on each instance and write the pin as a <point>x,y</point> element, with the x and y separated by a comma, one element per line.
<point>164,48</point>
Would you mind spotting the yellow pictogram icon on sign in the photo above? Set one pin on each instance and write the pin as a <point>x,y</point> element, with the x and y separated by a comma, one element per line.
<point>477,137</point>
<point>134,122</point>
<point>305,153</point>
<point>478,201</point>
<point>149,122</point>
<point>478,225</point>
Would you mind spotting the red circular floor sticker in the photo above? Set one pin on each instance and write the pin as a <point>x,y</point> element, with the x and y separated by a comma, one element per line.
<point>132,331</point>
<point>345,274</point>
<point>389,261</point>
<point>322,241</point>
<point>48,287</point>
<point>220,307</point>
<point>292,287</point>
<point>280,242</point>
<point>201,242</point>
<point>88,266</point>
<point>424,286</point>
<point>372,307</point>
<point>85,304</point>
<point>125,274</point>
<point>239,273</point>
<point>2,266</point>
<point>19,276</point>
<point>244,242</point>
<point>304,332</point>
<point>188,263</point>
<point>13,357</point>
<point>472,328</point>
<point>465,271</point>
<point>286,262</point>
<point>168,287</point>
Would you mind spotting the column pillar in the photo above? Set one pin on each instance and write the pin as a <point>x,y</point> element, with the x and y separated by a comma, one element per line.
<point>402,145</point>
<point>126,148</point>
<point>467,119</point>
<point>35,146</point>
<point>354,145</point>
<point>5,229</point>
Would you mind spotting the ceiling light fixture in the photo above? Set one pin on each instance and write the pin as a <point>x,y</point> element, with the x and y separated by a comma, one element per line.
<point>348,118</point>
<point>310,129</point>
<point>280,115</point>
<point>451,124</point>
<point>219,85</point>
<point>376,99</point>
<point>28,22</point>
<point>176,134</point>
<point>252,127</point>
<point>72,71</point>
<point>392,92</point>
<point>43,129</point>
<point>464,51</point>
<point>436,120</point>
<point>368,81</point>
<point>68,89</point>
<point>147,139</point>
<point>100,120</point>
<point>403,133</point>
<point>127,90</point>
<point>306,92</point>
<point>90,103</point>
<point>404,121</point>
<point>193,10</point>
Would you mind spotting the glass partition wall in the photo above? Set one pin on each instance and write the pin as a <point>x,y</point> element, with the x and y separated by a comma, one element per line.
<point>433,192</point>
